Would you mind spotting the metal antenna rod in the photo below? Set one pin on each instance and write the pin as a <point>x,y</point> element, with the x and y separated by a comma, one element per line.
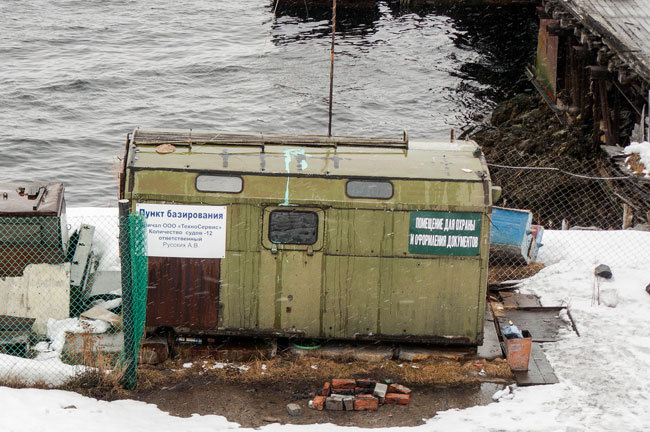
<point>329,125</point>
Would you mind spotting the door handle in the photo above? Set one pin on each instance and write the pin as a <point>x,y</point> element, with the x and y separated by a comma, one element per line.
<point>310,251</point>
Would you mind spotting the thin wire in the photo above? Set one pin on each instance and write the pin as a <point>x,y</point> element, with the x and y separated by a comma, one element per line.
<point>566,172</point>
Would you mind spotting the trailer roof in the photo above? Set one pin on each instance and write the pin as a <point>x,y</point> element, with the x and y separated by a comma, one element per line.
<point>30,199</point>
<point>309,155</point>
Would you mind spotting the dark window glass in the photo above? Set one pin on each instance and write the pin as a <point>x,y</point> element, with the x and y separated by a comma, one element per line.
<point>293,227</point>
<point>369,189</point>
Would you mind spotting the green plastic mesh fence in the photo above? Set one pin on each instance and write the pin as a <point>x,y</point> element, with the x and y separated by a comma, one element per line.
<point>66,309</point>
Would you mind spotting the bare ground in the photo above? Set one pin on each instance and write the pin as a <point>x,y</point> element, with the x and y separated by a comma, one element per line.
<point>256,393</point>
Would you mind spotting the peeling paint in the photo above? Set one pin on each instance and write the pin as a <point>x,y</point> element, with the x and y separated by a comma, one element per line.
<point>301,156</point>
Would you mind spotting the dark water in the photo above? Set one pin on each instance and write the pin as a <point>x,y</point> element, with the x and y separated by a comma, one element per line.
<point>76,76</point>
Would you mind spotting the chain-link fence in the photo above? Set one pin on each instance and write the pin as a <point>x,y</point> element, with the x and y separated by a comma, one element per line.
<point>72,296</point>
<point>576,205</point>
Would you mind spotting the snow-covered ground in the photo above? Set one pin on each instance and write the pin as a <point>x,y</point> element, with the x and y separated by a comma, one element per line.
<point>604,373</point>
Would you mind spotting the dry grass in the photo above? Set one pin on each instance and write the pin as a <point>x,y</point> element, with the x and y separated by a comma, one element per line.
<point>103,376</point>
<point>17,383</point>
<point>316,371</point>
<point>634,164</point>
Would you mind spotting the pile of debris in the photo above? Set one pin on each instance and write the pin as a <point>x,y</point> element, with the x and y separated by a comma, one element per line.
<point>359,395</point>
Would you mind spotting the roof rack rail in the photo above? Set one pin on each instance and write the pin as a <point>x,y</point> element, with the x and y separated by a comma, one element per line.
<point>189,138</point>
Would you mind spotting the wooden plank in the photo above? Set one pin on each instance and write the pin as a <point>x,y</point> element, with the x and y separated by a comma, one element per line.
<point>491,347</point>
<point>540,371</point>
<point>543,323</point>
<point>517,300</point>
<point>622,23</point>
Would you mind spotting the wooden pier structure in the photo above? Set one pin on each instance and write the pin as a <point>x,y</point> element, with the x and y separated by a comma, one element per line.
<point>593,65</point>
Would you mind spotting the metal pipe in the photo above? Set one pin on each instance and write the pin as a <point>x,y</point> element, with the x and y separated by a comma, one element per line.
<point>130,362</point>
<point>329,124</point>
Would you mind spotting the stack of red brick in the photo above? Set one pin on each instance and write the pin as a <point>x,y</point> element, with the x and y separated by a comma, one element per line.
<point>359,395</point>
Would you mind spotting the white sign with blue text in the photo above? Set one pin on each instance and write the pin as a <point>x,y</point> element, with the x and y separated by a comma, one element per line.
<point>185,231</point>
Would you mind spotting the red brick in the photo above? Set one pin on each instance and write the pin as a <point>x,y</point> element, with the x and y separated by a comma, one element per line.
<point>362,390</point>
<point>343,384</point>
<point>326,390</point>
<point>367,383</point>
<point>398,388</point>
<point>366,403</point>
<point>318,403</point>
<point>398,398</point>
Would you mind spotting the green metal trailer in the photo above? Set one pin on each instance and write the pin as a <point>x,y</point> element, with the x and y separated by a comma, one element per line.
<point>312,236</point>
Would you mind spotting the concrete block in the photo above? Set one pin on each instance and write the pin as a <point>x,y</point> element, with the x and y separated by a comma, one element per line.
<point>348,403</point>
<point>294,409</point>
<point>337,352</point>
<point>334,404</point>
<point>409,353</point>
<point>373,353</point>
<point>380,390</point>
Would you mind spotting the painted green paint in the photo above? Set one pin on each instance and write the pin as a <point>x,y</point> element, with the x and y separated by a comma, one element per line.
<point>444,233</point>
<point>360,279</point>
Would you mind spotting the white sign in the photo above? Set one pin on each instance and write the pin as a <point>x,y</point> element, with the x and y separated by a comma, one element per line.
<point>185,231</point>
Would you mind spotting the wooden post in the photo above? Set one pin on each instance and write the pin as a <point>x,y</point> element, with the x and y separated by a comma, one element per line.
<point>628,216</point>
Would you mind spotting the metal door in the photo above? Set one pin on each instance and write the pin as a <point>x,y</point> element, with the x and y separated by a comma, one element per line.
<point>291,269</point>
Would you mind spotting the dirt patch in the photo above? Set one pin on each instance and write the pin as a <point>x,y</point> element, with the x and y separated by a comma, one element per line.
<point>257,404</point>
<point>256,393</point>
<point>501,272</point>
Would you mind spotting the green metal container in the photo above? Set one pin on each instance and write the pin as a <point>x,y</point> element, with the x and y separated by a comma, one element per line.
<point>342,237</point>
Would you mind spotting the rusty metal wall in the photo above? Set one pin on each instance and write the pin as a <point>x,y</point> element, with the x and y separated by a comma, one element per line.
<point>183,292</point>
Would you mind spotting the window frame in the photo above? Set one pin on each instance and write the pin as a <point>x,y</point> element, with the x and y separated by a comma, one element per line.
<point>196,183</point>
<point>266,225</point>
<point>392,188</point>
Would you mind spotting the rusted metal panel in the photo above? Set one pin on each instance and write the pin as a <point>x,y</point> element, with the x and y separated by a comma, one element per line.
<point>183,292</point>
<point>32,226</point>
<point>31,199</point>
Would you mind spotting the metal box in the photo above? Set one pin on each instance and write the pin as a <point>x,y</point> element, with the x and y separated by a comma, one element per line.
<point>325,237</point>
<point>33,227</point>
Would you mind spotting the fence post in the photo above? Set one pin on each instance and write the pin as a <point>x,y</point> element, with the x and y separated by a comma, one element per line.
<point>130,362</point>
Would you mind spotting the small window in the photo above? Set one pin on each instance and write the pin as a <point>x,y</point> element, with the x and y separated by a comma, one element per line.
<point>212,183</point>
<point>369,189</point>
<point>293,227</point>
